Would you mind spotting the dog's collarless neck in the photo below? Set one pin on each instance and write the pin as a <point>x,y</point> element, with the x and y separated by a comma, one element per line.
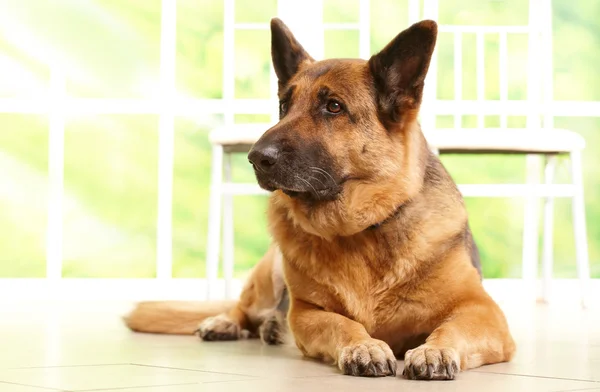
<point>386,220</point>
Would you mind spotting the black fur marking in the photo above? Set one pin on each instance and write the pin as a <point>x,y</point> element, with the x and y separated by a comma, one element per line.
<point>323,94</point>
<point>434,172</point>
<point>399,71</point>
<point>473,250</point>
<point>393,215</point>
<point>299,170</point>
<point>284,303</point>
<point>272,331</point>
<point>286,98</point>
<point>287,94</point>
<point>434,177</point>
<point>286,52</point>
<point>319,70</point>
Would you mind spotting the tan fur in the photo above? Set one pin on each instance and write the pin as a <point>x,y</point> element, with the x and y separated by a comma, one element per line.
<point>173,317</point>
<point>258,301</point>
<point>385,269</point>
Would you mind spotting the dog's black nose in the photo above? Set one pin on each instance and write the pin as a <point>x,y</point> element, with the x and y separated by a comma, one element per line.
<point>264,157</point>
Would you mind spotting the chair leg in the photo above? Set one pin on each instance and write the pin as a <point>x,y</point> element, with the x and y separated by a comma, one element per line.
<point>579,226</point>
<point>547,250</point>
<point>530,229</point>
<point>228,232</point>
<point>214,221</point>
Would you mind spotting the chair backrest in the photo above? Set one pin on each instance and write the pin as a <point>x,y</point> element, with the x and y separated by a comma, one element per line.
<point>305,19</point>
<point>538,31</point>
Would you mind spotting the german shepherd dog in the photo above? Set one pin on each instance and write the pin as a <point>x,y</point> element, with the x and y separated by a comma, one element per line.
<point>372,249</point>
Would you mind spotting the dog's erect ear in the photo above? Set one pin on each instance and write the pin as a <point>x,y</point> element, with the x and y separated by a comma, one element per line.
<point>286,52</point>
<point>399,70</point>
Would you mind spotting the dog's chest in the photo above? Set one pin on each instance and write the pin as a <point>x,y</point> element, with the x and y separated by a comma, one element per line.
<point>370,278</point>
<point>361,284</point>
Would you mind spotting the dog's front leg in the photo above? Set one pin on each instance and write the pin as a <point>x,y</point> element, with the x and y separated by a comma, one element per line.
<point>476,333</point>
<point>335,338</point>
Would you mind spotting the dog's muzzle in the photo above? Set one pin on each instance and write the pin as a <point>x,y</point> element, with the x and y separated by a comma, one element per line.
<point>297,171</point>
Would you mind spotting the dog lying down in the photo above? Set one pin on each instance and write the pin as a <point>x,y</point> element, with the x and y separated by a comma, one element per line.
<point>372,249</point>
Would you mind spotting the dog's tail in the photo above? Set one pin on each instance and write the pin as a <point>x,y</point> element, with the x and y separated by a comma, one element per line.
<point>173,317</point>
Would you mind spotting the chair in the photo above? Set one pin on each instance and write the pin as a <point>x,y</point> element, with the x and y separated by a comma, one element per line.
<point>539,138</point>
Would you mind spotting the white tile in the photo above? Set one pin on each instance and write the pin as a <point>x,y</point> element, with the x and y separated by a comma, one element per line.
<point>467,382</point>
<point>247,358</point>
<point>582,390</point>
<point>165,388</point>
<point>5,387</point>
<point>554,323</point>
<point>558,350</point>
<point>78,378</point>
<point>552,359</point>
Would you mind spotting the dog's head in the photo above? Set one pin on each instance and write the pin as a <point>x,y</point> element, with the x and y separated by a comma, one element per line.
<point>345,124</point>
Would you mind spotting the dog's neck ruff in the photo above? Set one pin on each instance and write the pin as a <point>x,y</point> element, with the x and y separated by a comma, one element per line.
<point>389,218</point>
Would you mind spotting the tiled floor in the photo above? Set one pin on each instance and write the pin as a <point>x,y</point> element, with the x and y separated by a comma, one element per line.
<point>84,347</point>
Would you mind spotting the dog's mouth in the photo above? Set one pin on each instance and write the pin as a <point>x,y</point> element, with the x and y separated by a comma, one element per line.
<point>311,183</point>
<point>314,195</point>
<point>309,194</point>
<point>295,194</point>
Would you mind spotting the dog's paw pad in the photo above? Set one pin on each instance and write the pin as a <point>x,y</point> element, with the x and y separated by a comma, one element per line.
<point>218,328</point>
<point>272,331</point>
<point>368,358</point>
<point>431,363</point>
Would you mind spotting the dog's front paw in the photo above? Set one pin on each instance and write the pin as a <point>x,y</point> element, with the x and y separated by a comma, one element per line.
<point>368,358</point>
<point>220,327</point>
<point>431,363</point>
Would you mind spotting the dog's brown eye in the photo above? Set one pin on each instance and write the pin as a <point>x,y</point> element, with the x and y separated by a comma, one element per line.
<point>334,107</point>
<point>283,107</point>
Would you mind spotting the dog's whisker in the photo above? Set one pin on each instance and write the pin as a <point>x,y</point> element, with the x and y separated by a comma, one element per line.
<point>310,185</point>
<point>258,168</point>
<point>323,172</point>
<point>316,179</point>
